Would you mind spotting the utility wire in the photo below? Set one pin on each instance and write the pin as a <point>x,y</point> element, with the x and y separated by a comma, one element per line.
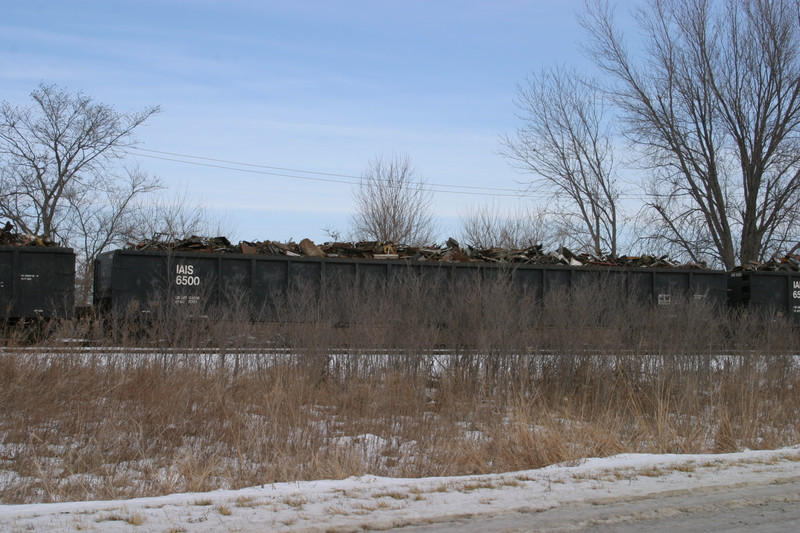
<point>315,176</point>
<point>329,177</point>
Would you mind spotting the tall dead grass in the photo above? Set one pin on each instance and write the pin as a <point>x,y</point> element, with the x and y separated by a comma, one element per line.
<point>412,381</point>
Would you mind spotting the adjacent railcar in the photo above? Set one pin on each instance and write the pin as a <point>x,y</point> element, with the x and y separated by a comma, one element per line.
<point>36,283</point>
<point>140,281</point>
<point>771,293</point>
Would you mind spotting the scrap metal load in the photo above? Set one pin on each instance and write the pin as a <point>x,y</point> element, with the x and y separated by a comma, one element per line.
<point>788,263</point>
<point>9,238</point>
<point>451,251</point>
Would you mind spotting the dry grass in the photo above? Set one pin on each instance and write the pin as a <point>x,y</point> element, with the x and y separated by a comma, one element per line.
<point>422,382</point>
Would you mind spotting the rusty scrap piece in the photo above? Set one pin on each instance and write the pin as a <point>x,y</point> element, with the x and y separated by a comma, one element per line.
<point>310,249</point>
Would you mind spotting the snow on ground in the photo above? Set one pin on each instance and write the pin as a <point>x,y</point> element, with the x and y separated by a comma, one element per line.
<point>370,502</point>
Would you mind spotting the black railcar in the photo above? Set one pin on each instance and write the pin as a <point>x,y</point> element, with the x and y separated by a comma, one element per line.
<point>768,292</point>
<point>128,280</point>
<point>36,282</point>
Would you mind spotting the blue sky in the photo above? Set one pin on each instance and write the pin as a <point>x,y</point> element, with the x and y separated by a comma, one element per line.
<point>317,87</point>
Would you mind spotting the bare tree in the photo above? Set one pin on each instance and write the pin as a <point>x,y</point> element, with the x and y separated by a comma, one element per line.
<point>94,229</point>
<point>566,144</point>
<point>60,176</point>
<point>713,104</point>
<point>486,226</point>
<point>172,216</point>
<point>55,150</point>
<point>393,203</point>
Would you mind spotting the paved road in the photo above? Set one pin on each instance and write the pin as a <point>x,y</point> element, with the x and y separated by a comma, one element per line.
<point>746,508</point>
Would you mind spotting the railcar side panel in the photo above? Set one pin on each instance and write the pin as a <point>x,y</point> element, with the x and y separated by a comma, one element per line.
<point>36,282</point>
<point>143,280</point>
<point>767,292</point>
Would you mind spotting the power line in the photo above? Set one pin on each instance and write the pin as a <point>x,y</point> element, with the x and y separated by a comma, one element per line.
<point>330,177</point>
<point>312,175</point>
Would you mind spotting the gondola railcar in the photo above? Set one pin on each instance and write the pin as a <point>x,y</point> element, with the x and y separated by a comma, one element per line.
<point>141,281</point>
